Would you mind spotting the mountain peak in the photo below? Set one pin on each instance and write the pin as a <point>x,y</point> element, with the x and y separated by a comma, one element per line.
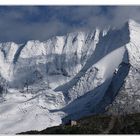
<point>133,23</point>
<point>134,30</point>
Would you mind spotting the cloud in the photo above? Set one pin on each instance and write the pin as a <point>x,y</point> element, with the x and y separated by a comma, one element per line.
<point>22,23</point>
<point>122,14</point>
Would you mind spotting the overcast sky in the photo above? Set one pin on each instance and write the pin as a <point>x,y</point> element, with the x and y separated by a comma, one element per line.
<point>23,23</point>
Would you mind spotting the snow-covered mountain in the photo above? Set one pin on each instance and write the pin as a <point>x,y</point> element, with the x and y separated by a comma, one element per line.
<point>43,84</point>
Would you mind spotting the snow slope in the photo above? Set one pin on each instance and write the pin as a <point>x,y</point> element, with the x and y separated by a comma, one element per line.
<point>43,84</point>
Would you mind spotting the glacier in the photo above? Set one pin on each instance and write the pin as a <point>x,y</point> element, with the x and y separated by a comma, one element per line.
<point>44,84</point>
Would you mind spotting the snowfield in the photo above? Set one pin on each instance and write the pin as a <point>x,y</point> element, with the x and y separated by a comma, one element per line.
<point>44,84</point>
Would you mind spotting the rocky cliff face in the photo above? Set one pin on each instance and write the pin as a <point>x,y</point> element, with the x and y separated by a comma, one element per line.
<point>127,99</point>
